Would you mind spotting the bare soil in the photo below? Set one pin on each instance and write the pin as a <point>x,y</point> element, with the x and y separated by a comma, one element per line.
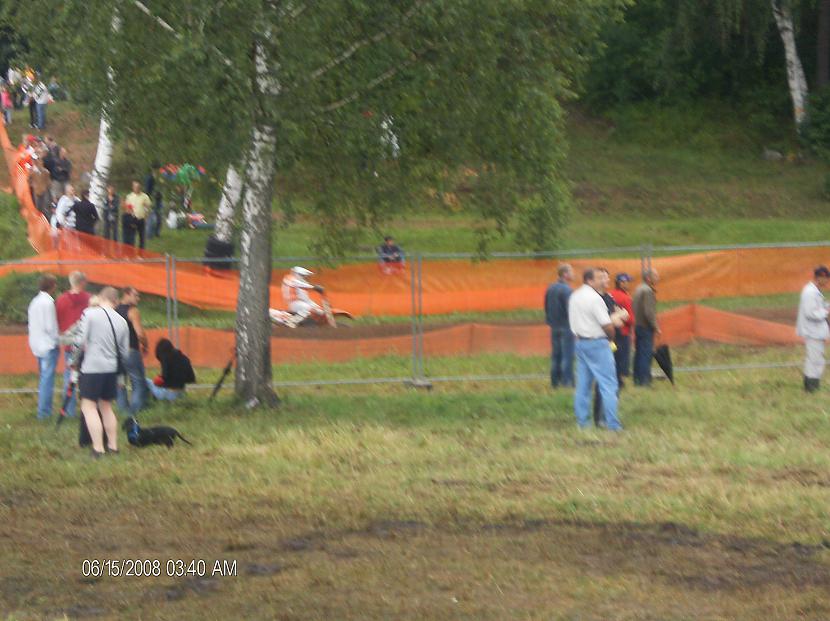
<point>403,569</point>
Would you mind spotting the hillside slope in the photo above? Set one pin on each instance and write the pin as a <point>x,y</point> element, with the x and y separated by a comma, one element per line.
<point>643,176</point>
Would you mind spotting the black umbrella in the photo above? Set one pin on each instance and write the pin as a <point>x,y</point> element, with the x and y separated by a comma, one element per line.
<point>662,356</point>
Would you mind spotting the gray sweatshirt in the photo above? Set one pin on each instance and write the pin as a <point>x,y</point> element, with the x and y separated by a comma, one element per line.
<point>95,336</point>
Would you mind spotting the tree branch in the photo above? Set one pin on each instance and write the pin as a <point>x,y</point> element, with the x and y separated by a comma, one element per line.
<point>383,77</point>
<point>358,45</point>
<point>178,36</point>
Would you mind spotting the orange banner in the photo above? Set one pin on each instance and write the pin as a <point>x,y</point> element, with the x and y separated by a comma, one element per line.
<point>212,348</point>
<point>448,286</point>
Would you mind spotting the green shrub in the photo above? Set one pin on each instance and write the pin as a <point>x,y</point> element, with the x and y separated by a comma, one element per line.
<point>12,230</point>
<point>16,291</point>
<point>816,129</point>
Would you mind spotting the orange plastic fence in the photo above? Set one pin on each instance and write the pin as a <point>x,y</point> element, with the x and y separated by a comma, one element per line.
<point>212,348</point>
<point>448,286</point>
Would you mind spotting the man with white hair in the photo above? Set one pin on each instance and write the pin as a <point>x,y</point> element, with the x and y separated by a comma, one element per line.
<point>295,293</point>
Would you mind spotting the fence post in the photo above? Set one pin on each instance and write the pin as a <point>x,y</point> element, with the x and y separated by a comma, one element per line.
<point>414,323</point>
<point>175,303</point>
<point>168,295</point>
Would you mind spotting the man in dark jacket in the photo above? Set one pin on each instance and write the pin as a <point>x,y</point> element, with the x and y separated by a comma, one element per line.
<point>86,215</point>
<point>561,337</point>
<point>645,326</point>
<point>622,338</point>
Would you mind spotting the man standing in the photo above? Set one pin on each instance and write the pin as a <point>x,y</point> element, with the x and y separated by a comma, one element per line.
<point>561,337</point>
<point>61,171</point>
<point>86,215</point>
<point>70,305</point>
<point>622,338</point>
<point>40,180</point>
<point>811,325</point>
<point>43,341</point>
<point>65,211</point>
<point>42,99</point>
<point>134,364</point>
<point>138,204</point>
<point>645,326</point>
<point>592,326</point>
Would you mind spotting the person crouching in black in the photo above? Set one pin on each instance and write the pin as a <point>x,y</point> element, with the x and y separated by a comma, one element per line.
<point>176,371</point>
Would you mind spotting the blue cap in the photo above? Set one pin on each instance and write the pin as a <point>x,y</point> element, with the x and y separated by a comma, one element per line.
<point>623,277</point>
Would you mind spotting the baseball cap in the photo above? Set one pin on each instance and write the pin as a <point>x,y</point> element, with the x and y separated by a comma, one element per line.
<point>623,277</point>
<point>821,271</point>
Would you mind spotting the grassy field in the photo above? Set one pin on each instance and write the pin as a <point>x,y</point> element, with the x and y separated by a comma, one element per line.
<point>468,502</point>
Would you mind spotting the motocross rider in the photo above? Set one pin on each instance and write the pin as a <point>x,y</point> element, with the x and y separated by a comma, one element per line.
<point>295,293</point>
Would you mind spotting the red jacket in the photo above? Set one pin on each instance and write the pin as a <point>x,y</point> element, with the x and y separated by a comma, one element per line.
<point>69,308</point>
<point>623,300</point>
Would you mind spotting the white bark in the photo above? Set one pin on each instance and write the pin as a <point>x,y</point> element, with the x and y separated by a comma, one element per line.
<point>103,164</point>
<point>795,72</point>
<point>103,154</point>
<point>253,326</point>
<point>231,195</point>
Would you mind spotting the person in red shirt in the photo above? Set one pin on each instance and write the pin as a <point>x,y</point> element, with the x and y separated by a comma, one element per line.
<point>69,306</point>
<point>622,335</point>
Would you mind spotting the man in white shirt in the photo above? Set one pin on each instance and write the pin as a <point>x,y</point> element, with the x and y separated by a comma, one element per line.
<point>65,211</point>
<point>812,326</point>
<point>43,341</point>
<point>593,328</point>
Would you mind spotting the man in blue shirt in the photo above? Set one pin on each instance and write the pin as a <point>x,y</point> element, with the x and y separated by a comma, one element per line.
<point>561,337</point>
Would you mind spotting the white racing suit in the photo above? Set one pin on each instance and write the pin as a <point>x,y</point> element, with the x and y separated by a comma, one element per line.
<point>295,295</point>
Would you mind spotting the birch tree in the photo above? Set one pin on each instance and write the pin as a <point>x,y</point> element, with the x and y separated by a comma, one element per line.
<point>307,90</point>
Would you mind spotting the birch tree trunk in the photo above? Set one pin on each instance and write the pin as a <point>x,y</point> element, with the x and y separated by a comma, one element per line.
<point>103,154</point>
<point>795,72</point>
<point>253,326</point>
<point>219,245</point>
<point>231,194</point>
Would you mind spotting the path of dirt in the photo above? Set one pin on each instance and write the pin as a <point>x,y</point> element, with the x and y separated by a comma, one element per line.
<point>411,570</point>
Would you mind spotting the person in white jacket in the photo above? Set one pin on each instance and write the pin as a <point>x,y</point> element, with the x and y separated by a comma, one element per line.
<point>43,341</point>
<point>812,326</point>
<point>295,293</point>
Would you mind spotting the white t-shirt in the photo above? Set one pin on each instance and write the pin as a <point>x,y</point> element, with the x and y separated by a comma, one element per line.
<point>587,313</point>
<point>64,211</point>
<point>43,325</point>
<point>812,314</point>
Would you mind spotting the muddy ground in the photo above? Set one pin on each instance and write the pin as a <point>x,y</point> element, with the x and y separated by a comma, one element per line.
<point>406,570</point>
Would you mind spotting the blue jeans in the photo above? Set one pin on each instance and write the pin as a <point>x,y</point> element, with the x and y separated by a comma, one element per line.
<point>41,115</point>
<point>562,357</point>
<point>595,362</point>
<point>622,357</point>
<point>163,394</point>
<point>642,355</point>
<point>135,371</point>
<point>46,383</point>
<point>67,376</point>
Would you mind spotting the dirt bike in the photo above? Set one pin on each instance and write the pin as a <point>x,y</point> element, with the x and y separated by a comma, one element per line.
<point>291,320</point>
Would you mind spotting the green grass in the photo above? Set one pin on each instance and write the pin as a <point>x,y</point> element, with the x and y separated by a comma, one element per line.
<point>12,230</point>
<point>371,502</point>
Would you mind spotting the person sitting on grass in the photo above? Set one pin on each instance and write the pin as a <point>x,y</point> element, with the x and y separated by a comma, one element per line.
<point>391,256</point>
<point>176,371</point>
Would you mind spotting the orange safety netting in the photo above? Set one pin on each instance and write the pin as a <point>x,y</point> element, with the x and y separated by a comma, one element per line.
<point>212,348</point>
<point>447,286</point>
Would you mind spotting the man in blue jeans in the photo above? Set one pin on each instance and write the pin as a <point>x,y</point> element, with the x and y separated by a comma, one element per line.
<point>43,341</point>
<point>561,337</point>
<point>594,329</point>
<point>134,363</point>
<point>645,326</point>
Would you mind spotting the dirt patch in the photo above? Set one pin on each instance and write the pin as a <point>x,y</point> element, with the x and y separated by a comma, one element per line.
<point>778,315</point>
<point>409,569</point>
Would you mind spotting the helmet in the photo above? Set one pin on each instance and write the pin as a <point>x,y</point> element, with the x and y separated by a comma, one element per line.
<point>301,271</point>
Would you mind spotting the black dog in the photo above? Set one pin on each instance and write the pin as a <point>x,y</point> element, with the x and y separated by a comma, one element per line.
<point>151,435</point>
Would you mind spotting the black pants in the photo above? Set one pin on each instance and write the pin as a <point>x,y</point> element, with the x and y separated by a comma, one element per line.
<point>110,229</point>
<point>141,227</point>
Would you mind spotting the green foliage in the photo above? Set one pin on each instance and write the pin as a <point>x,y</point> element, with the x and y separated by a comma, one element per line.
<point>816,129</point>
<point>16,291</point>
<point>12,229</point>
<point>460,85</point>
